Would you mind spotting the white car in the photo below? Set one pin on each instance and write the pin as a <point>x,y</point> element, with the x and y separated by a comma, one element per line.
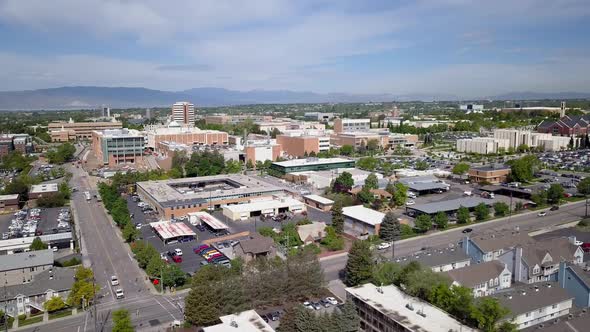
<point>332,300</point>
<point>178,252</point>
<point>119,293</point>
<point>308,305</point>
<point>542,214</point>
<point>114,281</point>
<point>578,243</point>
<point>384,245</point>
<point>410,202</point>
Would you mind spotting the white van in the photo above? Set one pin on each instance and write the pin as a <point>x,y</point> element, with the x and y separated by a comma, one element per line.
<point>411,194</point>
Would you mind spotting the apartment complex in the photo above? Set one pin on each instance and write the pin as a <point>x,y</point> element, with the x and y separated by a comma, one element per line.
<point>20,268</point>
<point>189,135</point>
<point>178,197</point>
<point>389,309</point>
<point>483,279</point>
<point>349,125</point>
<point>68,131</point>
<point>546,141</point>
<point>118,146</point>
<point>482,145</point>
<point>184,113</point>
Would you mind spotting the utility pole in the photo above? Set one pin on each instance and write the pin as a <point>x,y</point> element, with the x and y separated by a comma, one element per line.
<point>5,314</point>
<point>94,301</point>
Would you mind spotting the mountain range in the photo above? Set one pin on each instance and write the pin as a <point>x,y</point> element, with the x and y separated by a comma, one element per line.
<point>86,97</point>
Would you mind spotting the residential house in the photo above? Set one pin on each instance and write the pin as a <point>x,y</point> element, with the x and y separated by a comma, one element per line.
<point>484,279</point>
<point>439,260</point>
<point>484,248</point>
<point>576,280</point>
<point>539,261</point>
<point>311,233</point>
<point>20,268</point>
<point>534,304</point>
<point>29,297</point>
<point>380,194</point>
<point>255,247</point>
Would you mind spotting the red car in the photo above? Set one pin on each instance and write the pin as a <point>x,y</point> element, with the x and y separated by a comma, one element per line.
<point>212,257</point>
<point>177,259</point>
<point>200,248</point>
<point>586,246</point>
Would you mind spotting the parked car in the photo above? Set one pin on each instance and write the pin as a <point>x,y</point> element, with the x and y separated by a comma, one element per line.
<point>307,305</point>
<point>201,228</point>
<point>467,230</point>
<point>164,257</point>
<point>332,300</point>
<point>542,214</point>
<point>325,303</point>
<point>176,259</point>
<point>114,281</point>
<point>275,315</point>
<point>316,306</point>
<point>119,293</point>
<point>178,251</point>
<point>410,202</point>
<point>200,248</point>
<point>554,208</point>
<point>138,225</point>
<point>384,245</point>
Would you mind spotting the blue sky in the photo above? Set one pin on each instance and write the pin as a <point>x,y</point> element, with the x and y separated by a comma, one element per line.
<point>461,47</point>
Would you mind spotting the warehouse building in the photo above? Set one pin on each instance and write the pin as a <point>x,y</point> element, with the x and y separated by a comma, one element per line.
<point>267,208</point>
<point>178,197</point>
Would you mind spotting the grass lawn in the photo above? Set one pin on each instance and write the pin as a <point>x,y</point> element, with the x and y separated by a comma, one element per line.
<point>59,314</point>
<point>32,320</point>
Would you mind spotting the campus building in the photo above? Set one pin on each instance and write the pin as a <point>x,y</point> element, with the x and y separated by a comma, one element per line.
<point>22,143</point>
<point>311,164</point>
<point>299,144</point>
<point>350,125</point>
<point>62,131</point>
<point>184,113</point>
<point>178,197</point>
<point>118,146</point>
<point>482,145</point>
<point>176,133</point>
<point>491,174</point>
<point>546,141</point>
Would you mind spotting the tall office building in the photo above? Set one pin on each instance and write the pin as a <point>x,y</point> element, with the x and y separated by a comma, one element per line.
<point>183,113</point>
<point>148,113</point>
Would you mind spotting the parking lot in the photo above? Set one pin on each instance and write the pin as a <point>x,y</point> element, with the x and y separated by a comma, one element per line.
<point>577,160</point>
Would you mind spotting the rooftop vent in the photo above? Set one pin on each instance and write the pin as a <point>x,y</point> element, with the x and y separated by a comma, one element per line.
<point>233,323</point>
<point>523,292</point>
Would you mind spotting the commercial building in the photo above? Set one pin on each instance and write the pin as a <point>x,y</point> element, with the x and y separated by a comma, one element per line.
<point>204,218</point>
<point>531,305</point>
<point>493,174</point>
<point>62,131</point>
<point>318,202</point>
<point>449,207</point>
<point>221,119</point>
<point>323,179</point>
<point>29,297</point>
<point>20,268</point>
<point>245,321</point>
<point>43,190</point>
<point>268,207</point>
<point>183,113</point>
<point>440,260</point>
<point>172,232</point>
<point>350,125</point>
<point>311,164</point>
<point>482,145</point>
<point>424,184</point>
<point>472,108</point>
<point>319,116</point>
<point>178,197</point>
<point>8,203</point>
<point>388,308</point>
<point>483,279</point>
<point>361,222</point>
<point>191,136</point>
<point>15,245</point>
<point>118,146</point>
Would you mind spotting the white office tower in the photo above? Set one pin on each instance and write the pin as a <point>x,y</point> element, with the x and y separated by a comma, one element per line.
<point>183,113</point>
<point>148,113</point>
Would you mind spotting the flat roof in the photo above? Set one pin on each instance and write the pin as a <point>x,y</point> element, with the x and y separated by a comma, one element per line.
<point>311,161</point>
<point>167,194</point>
<point>491,168</point>
<point>24,242</point>
<point>319,199</point>
<point>245,321</point>
<point>169,230</point>
<point>43,188</point>
<point>209,220</point>
<point>391,302</point>
<point>419,186</point>
<point>450,205</point>
<point>361,213</point>
<point>26,260</point>
<point>8,197</point>
<point>263,205</point>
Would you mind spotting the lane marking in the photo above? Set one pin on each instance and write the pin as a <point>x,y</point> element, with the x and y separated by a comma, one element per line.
<point>168,311</point>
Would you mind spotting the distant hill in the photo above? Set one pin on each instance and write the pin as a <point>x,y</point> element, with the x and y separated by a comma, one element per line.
<point>80,97</point>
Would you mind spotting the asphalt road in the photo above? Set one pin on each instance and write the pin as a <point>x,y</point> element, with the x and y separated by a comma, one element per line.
<point>526,222</point>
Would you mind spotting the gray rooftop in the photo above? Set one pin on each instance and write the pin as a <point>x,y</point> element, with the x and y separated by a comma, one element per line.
<point>169,193</point>
<point>26,259</point>
<point>436,258</point>
<point>472,275</point>
<point>491,168</point>
<point>527,298</point>
<point>450,205</point>
<point>502,240</point>
<point>578,322</point>
<point>61,280</point>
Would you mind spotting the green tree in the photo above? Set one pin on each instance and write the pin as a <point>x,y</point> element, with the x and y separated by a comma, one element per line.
<point>441,220</point>
<point>386,273</point>
<point>83,288</point>
<point>482,212</point>
<point>337,217</point>
<point>488,312</point>
<point>371,182</point>
<point>144,253</point>
<point>406,230</point>
<point>367,163</point>
<point>555,193</point>
<point>333,241</point>
<point>122,321</point>
<point>463,216</point>
<point>233,166</point>
<point>37,244</point>
<point>423,223</point>
<point>55,303</point>
<point>130,233</point>
<point>373,145</point>
<point>155,267</point>
<point>346,150</point>
<point>540,197</point>
<point>390,188</point>
<point>400,195</point>
<point>523,148</point>
<point>500,209</point>
<point>523,169</point>
<point>349,320</point>
<point>365,195</point>
<point>390,228</point>
<point>174,276</point>
<point>461,168</point>
<point>249,164</point>
<point>358,269</point>
<point>421,165</point>
<point>344,182</point>
<point>584,186</point>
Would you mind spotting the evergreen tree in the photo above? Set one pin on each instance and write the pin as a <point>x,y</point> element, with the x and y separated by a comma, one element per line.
<point>201,305</point>
<point>349,320</point>
<point>390,228</point>
<point>306,320</point>
<point>37,244</point>
<point>359,267</point>
<point>337,217</point>
<point>344,182</point>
